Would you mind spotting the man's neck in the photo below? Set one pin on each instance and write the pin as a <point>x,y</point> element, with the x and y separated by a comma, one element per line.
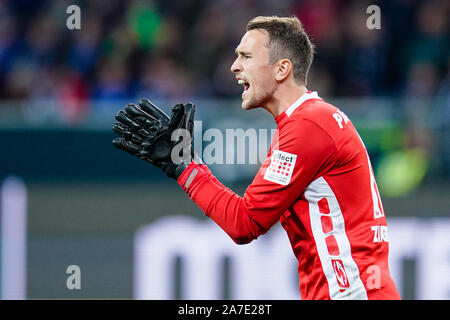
<point>283,98</point>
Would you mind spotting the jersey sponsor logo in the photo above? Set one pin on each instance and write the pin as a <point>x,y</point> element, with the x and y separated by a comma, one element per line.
<point>339,272</point>
<point>281,167</point>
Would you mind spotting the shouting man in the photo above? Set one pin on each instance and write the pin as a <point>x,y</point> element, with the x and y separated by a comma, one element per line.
<point>317,179</point>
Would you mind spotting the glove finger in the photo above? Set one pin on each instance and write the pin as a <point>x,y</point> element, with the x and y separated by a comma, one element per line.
<point>182,118</point>
<point>136,137</point>
<point>144,119</point>
<point>153,126</point>
<point>154,111</point>
<point>123,144</point>
<point>135,111</point>
<point>189,113</point>
<point>177,117</point>
<point>126,121</point>
<point>121,130</point>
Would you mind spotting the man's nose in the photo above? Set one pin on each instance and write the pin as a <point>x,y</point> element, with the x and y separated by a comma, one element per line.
<point>235,67</point>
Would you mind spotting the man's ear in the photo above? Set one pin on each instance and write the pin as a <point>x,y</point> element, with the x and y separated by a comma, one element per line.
<point>283,69</point>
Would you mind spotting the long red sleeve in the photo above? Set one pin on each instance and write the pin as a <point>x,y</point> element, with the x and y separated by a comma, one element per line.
<point>300,154</point>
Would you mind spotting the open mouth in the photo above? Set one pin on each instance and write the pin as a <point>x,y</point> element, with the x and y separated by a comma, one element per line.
<point>245,84</point>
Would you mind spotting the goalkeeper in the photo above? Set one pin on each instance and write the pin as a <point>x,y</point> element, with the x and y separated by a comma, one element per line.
<point>316,180</point>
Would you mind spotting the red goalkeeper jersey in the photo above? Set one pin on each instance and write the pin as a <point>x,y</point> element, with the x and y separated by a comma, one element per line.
<point>317,181</point>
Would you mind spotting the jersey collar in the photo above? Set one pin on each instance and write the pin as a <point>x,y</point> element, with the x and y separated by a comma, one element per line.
<point>308,95</point>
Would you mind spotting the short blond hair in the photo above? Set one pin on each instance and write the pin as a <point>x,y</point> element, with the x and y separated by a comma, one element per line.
<point>287,40</point>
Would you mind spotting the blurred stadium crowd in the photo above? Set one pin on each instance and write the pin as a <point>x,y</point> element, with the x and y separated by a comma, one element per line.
<point>184,48</point>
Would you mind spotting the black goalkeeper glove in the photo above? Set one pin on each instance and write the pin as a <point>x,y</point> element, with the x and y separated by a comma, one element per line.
<point>149,134</point>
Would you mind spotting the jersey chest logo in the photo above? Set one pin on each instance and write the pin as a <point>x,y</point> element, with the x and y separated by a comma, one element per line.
<point>281,167</point>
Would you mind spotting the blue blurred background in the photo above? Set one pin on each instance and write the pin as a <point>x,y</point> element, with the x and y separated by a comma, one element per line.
<point>83,202</point>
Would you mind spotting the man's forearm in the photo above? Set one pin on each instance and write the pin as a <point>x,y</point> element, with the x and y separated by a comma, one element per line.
<point>219,203</point>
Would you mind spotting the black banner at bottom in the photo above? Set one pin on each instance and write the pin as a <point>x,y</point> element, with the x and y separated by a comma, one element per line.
<point>209,309</point>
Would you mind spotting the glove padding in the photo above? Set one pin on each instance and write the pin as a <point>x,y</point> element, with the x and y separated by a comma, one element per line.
<point>149,134</point>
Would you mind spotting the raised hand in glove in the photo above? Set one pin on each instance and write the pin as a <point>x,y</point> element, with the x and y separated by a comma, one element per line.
<point>149,134</point>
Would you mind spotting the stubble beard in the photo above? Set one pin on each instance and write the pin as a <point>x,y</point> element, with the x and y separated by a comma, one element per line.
<point>252,102</point>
